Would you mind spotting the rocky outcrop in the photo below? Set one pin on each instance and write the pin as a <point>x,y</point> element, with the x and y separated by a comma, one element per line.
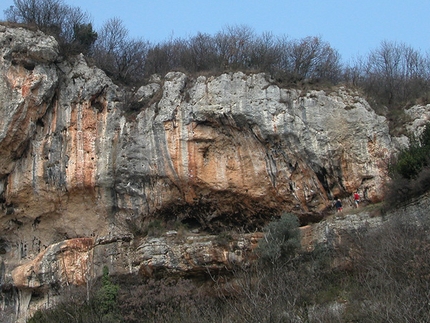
<point>85,164</point>
<point>66,262</point>
<point>76,261</point>
<point>29,81</point>
<point>419,116</point>
<point>80,261</point>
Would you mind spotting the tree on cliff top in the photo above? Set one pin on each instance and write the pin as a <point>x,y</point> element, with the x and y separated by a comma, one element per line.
<point>69,25</point>
<point>392,76</point>
<point>121,57</point>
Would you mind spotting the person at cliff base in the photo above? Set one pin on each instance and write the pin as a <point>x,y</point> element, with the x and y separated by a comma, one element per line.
<point>356,199</point>
<point>338,205</point>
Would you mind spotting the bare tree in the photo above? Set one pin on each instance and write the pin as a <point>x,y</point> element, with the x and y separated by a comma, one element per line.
<point>233,46</point>
<point>159,59</point>
<point>353,73</point>
<point>201,54</point>
<point>112,36</point>
<point>266,53</point>
<point>312,58</point>
<point>70,25</point>
<point>119,56</point>
<point>395,73</point>
<point>45,14</point>
<point>392,273</point>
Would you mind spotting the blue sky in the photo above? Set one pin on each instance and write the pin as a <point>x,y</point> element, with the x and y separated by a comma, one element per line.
<point>353,27</point>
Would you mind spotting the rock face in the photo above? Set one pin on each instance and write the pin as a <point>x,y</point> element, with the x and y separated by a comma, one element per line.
<point>66,262</point>
<point>84,165</point>
<point>419,116</point>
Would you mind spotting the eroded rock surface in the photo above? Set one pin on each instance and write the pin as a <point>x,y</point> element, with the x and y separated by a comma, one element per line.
<point>84,164</point>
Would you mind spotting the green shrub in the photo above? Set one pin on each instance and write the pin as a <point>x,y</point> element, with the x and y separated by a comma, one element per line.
<point>106,297</point>
<point>410,172</point>
<point>102,306</point>
<point>281,240</point>
<point>401,190</point>
<point>411,161</point>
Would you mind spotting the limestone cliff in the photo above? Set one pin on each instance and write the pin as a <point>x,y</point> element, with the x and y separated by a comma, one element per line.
<point>85,164</point>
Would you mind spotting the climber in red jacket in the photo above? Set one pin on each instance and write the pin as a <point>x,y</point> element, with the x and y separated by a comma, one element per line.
<point>356,199</point>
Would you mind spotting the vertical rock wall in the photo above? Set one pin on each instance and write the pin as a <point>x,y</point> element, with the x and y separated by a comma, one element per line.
<point>78,162</point>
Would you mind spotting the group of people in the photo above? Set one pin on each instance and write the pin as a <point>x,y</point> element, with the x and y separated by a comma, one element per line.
<point>338,203</point>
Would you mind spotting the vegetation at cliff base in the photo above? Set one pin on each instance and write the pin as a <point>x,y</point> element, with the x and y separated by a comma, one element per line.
<point>370,275</point>
<point>281,240</point>
<point>102,305</point>
<point>410,170</point>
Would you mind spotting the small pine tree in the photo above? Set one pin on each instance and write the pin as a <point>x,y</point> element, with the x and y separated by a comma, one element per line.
<point>411,161</point>
<point>107,296</point>
<point>83,37</point>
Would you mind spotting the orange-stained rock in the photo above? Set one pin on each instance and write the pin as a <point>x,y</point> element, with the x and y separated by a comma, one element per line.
<point>218,153</point>
<point>67,262</point>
